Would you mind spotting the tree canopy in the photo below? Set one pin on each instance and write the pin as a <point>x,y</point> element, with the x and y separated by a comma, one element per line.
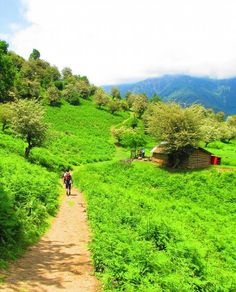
<point>27,121</point>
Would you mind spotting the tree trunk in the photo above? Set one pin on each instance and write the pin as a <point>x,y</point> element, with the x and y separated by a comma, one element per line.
<point>27,151</point>
<point>4,126</point>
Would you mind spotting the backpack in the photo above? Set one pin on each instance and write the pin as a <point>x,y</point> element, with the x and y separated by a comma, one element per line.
<point>67,177</point>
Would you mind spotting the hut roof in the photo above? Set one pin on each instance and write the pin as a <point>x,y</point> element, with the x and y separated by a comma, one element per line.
<point>161,149</point>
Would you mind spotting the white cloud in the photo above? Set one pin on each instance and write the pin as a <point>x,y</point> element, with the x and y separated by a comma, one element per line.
<point>4,36</point>
<point>117,40</point>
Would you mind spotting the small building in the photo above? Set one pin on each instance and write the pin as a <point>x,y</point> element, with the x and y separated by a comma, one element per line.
<point>199,158</point>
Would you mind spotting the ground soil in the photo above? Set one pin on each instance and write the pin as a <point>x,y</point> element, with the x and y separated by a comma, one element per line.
<point>61,259</point>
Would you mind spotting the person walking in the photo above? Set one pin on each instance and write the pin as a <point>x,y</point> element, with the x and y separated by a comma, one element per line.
<point>67,178</point>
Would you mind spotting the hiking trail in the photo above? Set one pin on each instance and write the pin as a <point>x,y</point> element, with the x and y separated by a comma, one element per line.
<point>60,261</point>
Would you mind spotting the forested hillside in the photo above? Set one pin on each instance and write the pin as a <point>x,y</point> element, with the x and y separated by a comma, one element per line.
<point>212,93</point>
<point>153,228</point>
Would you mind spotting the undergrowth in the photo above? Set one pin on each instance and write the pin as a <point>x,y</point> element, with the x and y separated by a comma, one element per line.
<point>160,231</point>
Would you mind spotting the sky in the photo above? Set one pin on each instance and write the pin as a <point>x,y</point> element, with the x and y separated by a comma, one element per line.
<point>121,41</point>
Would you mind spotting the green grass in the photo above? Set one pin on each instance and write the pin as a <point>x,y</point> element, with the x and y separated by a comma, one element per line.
<point>227,151</point>
<point>153,230</point>
<point>81,134</point>
<point>29,190</point>
<point>160,231</point>
<point>28,196</point>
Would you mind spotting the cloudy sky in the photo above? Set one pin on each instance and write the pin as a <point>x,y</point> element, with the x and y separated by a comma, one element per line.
<point>113,41</point>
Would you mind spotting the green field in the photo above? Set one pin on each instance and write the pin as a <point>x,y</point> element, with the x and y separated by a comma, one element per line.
<point>227,151</point>
<point>160,231</point>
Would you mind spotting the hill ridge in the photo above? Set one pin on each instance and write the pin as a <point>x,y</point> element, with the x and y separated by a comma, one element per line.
<point>219,94</point>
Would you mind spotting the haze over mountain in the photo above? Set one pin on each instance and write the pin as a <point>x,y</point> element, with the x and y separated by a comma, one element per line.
<point>219,94</point>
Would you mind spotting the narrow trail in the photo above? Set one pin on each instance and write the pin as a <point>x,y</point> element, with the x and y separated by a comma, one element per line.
<point>61,260</point>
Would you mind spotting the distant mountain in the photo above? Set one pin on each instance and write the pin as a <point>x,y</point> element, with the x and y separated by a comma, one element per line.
<point>219,94</point>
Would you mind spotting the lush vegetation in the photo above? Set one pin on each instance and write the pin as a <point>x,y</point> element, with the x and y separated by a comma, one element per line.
<point>28,196</point>
<point>153,229</point>
<point>29,192</point>
<point>81,134</point>
<point>159,231</point>
<point>227,152</point>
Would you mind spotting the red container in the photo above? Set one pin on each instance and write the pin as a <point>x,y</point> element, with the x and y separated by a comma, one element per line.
<point>215,160</point>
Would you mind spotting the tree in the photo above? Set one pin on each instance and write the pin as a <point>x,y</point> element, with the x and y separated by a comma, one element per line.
<point>139,104</point>
<point>17,60</point>
<point>66,73</point>
<point>124,105</point>
<point>27,88</point>
<point>220,116</point>
<point>231,121</point>
<point>7,72</point>
<point>53,96</point>
<point>71,95</point>
<point>210,131</point>
<point>127,94</point>
<point>118,133</point>
<point>100,98</point>
<point>83,88</point>
<point>155,98</point>
<point>5,115</point>
<point>115,93</point>
<point>35,55</point>
<point>133,139</point>
<point>27,121</point>
<point>113,106</point>
<point>179,127</point>
<point>227,131</point>
<point>130,97</point>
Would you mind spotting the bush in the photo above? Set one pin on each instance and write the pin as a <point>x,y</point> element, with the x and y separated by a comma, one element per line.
<point>71,94</point>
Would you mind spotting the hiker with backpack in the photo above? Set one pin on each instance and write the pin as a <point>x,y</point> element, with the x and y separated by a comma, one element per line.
<point>67,178</point>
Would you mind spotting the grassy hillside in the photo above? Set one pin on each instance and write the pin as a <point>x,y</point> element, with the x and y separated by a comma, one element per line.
<point>28,197</point>
<point>29,190</point>
<point>153,230</point>
<point>160,231</point>
<point>227,152</point>
<point>81,134</point>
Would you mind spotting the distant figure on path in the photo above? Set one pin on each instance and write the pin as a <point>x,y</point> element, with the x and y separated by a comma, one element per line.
<point>67,178</point>
<point>142,153</point>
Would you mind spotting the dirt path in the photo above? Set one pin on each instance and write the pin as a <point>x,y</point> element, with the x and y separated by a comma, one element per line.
<point>61,260</point>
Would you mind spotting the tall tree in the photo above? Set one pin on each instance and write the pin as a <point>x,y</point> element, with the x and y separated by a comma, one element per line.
<point>113,106</point>
<point>133,139</point>
<point>115,93</point>
<point>100,98</point>
<point>66,73</point>
<point>179,127</point>
<point>35,55</point>
<point>5,115</point>
<point>7,72</point>
<point>71,94</point>
<point>139,104</point>
<point>27,121</point>
<point>53,96</point>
